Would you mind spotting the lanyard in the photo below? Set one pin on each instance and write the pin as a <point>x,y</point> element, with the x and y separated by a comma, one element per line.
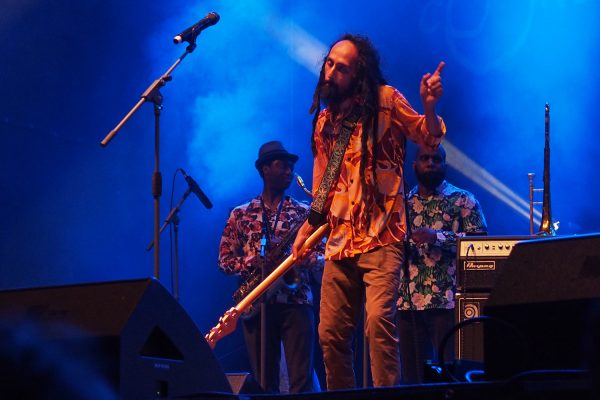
<point>267,230</point>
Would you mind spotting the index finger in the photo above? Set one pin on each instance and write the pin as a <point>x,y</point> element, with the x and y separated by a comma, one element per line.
<point>440,67</point>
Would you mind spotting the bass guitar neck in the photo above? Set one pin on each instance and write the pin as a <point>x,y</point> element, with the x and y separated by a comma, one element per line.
<point>228,322</point>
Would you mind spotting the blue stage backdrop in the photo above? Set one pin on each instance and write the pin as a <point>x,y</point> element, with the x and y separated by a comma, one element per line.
<point>76,212</point>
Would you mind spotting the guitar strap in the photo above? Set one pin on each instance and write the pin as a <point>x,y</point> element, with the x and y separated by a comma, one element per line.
<point>318,213</point>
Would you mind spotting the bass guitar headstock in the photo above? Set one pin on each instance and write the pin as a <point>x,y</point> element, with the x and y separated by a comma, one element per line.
<point>227,324</point>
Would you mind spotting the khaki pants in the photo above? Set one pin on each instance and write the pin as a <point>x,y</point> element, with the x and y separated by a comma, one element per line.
<point>378,273</point>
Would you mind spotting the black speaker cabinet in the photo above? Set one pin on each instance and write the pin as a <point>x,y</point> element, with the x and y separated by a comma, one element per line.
<point>468,340</point>
<point>543,294</point>
<point>145,343</point>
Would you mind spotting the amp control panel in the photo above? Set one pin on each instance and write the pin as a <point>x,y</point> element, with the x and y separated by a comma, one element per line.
<point>488,246</point>
<point>480,260</point>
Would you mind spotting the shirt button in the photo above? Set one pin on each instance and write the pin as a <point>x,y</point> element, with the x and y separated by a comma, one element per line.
<point>348,159</point>
<point>351,180</point>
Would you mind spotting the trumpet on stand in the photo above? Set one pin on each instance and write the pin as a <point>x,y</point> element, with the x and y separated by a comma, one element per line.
<point>547,227</point>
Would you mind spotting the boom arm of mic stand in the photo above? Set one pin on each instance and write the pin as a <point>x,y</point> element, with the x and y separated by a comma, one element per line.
<point>151,94</point>
<point>170,217</point>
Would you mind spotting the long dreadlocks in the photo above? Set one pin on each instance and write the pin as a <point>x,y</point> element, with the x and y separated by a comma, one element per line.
<point>368,80</point>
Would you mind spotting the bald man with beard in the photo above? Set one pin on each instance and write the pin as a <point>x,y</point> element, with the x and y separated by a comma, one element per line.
<point>438,213</point>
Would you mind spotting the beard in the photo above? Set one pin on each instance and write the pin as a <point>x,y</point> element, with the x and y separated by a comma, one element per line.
<point>330,93</point>
<point>431,179</point>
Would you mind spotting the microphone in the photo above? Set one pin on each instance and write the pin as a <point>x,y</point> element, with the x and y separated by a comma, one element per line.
<point>194,30</point>
<point>193,187</point>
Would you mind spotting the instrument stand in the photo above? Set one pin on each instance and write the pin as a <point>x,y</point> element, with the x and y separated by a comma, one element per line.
<point>173,218</point>
<point>263,315</point>
<point>152,94</point>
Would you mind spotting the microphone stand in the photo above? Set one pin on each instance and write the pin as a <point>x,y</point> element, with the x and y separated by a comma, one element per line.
<point>176,266</point>
<point>152,95</point>
<point>174,219</point>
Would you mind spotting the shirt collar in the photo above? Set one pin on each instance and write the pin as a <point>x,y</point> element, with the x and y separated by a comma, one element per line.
<point>438,190</point>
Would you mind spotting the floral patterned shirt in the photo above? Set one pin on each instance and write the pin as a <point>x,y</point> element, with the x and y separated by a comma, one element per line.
<point>451,212</point>
<point>239,250</point>
<point>362,220</point>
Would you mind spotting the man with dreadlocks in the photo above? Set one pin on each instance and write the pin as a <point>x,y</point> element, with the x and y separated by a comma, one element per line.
<point>363,202</point>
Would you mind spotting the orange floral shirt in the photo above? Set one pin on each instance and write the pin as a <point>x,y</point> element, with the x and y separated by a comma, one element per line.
<point>362,220</point>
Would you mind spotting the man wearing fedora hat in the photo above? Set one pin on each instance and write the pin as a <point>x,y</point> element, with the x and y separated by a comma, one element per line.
<point>273,218</point>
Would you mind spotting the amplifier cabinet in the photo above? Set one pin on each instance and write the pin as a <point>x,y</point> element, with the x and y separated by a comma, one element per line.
<point>468,340</point>
<point>480,259</point>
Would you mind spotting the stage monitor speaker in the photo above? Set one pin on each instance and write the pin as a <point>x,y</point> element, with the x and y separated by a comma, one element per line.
<point>544,293</point>
<point>468,340</point>
<point>146,344</point>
